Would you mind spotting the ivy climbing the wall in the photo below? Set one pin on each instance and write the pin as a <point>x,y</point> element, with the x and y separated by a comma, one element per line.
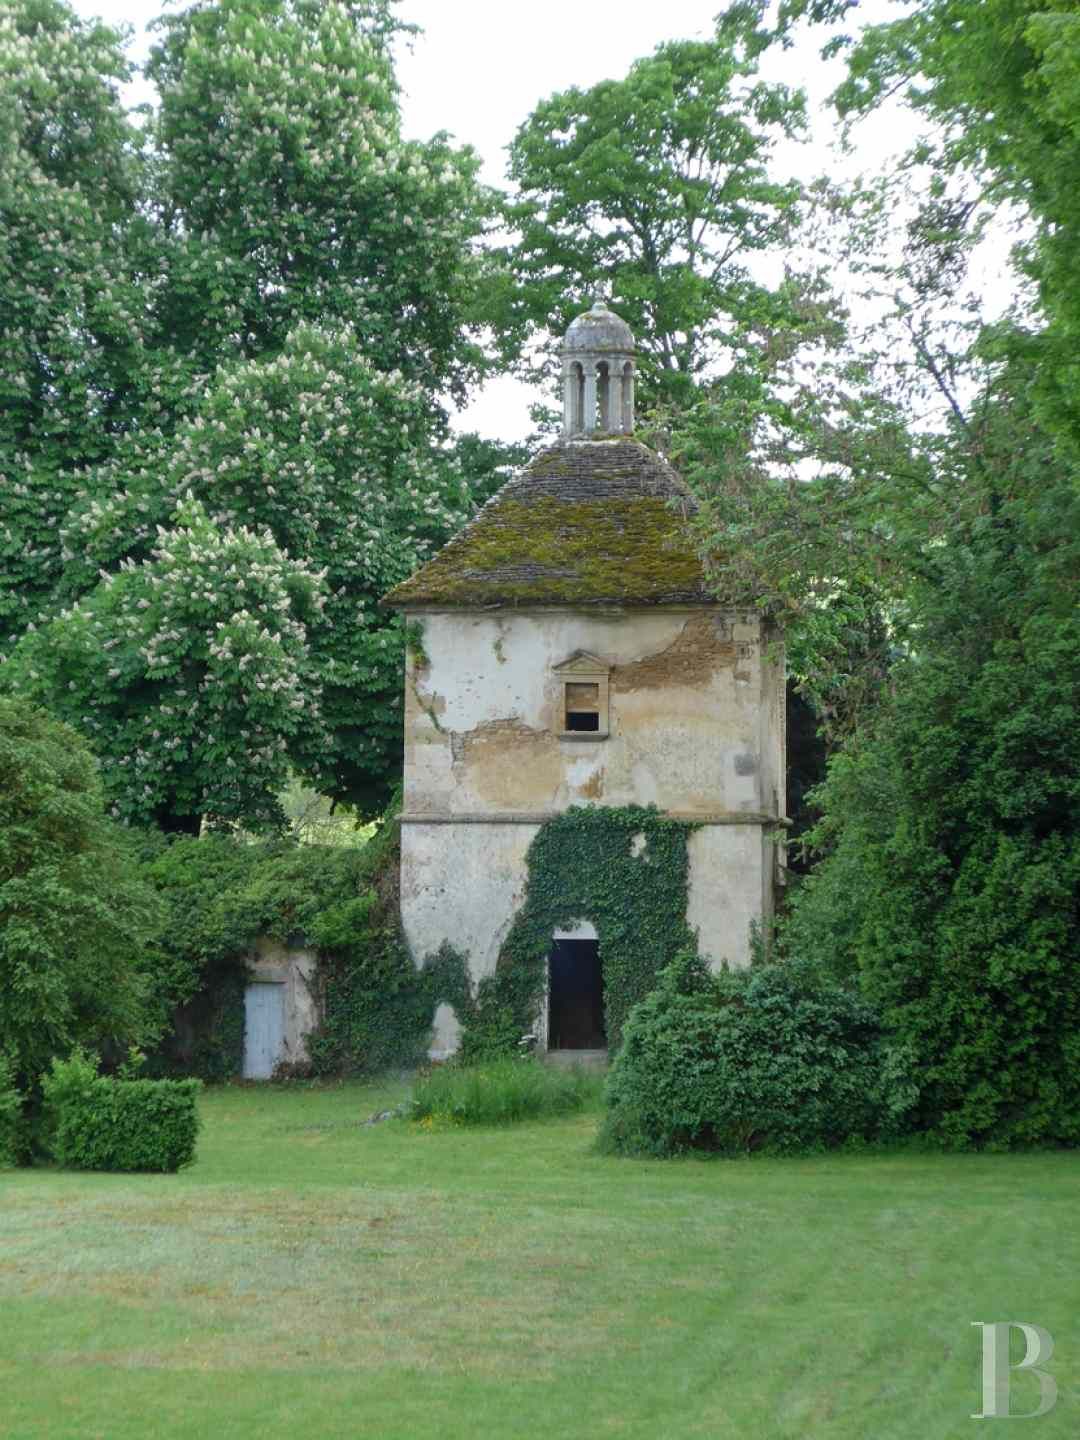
<point>376,1006</point>
<point>625,871</point>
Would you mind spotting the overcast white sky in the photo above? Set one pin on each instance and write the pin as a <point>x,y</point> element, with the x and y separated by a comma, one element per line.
<point>481,66</point>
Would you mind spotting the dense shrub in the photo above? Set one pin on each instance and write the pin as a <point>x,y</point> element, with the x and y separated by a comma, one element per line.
<point>375,1012</point>
<point>206,1038</point>
<point>10,1114</point>
<point>500,1092</point>
<point>950,887</point>
<point>222,895</point>
<point>489,1031</point>
<point>758,1059</point>
<point>95,1123</point>
<point>75,918</point>
<point>376,1004</point>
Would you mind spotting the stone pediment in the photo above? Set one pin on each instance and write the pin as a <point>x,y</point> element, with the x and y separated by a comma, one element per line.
<point>582,663</point>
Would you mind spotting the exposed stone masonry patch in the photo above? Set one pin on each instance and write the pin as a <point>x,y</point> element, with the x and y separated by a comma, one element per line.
<point>702,647</point>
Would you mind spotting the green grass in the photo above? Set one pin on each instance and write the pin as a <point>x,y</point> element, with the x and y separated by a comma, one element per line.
<point>312,1278</point>
<point>501,1092</point>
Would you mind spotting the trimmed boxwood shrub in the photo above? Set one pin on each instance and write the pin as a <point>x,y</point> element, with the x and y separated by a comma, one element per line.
<point>95,1123</point>
<point>764,1059</point>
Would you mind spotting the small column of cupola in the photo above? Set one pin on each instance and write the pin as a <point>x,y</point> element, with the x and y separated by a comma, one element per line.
<point>598,375</point>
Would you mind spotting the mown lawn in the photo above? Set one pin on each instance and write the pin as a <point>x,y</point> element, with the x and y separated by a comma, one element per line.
<point>308,1277</point>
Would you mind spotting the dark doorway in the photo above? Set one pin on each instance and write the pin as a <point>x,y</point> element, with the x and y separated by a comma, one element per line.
<point>576,996</point>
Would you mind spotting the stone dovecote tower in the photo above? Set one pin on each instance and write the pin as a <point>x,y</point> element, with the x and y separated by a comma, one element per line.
<point>573,653</point>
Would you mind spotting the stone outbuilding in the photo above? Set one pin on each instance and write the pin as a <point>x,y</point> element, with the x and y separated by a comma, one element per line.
<point>567,651</point>
<point>280,1007</point>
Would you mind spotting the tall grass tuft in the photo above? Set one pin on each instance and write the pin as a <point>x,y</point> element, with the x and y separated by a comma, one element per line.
<point>501,1091</point>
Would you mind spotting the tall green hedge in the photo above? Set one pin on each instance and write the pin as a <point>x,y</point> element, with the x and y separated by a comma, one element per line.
<point>950,888</point>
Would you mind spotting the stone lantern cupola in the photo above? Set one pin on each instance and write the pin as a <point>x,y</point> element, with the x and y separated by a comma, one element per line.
<point>598,375</point>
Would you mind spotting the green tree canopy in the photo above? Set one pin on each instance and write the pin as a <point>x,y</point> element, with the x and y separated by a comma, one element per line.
<point>656,190</point>
<point>952,862</point>
<point>332,458</point>
<point>289,195</point>
<point>190,671</point>
<point>1012,123</point>
<point>940,499</point>
<point>72,300</point>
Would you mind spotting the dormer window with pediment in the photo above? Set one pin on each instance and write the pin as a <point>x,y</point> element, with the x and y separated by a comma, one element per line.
<point>583,697</point>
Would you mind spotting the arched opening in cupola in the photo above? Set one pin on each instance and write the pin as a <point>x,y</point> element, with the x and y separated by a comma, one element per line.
<point>606,398</point>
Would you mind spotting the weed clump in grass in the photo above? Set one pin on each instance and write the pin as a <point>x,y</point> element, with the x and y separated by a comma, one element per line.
<point>500,1092</point>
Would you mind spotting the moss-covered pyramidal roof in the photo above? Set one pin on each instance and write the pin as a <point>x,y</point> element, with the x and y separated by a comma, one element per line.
<point>587,522</point>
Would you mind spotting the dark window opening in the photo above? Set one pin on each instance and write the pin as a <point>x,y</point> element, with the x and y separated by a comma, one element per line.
<point>582,720</point>
<point>576,996</point>
<point>583,707</point>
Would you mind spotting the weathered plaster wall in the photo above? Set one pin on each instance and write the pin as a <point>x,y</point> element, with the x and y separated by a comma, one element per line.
<point>295,969</point>
<point>696,728</point>
<point>461,883</point>
<point>730,888</point>
<point>694,718</point>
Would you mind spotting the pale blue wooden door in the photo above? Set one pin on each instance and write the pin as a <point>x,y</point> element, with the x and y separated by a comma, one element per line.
<point>264,1029</point>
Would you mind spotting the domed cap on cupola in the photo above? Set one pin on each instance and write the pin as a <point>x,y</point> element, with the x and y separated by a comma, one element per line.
<point>598,375</point>
<point>599,330</point>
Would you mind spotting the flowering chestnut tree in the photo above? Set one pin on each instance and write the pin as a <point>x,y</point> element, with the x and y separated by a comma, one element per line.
<point>291,195</point>
<point>189,673</point>
<point>332,457</point>
<point>256,302</point>
<point>71,303</point>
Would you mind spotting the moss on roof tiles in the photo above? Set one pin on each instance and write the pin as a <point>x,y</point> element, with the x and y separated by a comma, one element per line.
<point>585,523</point>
